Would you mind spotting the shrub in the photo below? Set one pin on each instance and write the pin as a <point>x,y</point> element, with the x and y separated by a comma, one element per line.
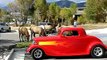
<point>81,20</point>
<point>23,44</point>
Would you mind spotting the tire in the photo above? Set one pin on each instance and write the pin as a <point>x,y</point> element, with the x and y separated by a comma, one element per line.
<point>97,52</point>
<point>2,30</point>
<point>37,54</point>
<point>8,30</point>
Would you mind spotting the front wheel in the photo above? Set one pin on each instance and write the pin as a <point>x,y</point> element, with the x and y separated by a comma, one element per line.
<point>3,30</point>
<point>37,54</point>
<point>97,52</point>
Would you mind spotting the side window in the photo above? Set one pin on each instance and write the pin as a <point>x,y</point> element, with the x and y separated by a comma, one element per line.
<point>75,33</point>
<point>70,33</point>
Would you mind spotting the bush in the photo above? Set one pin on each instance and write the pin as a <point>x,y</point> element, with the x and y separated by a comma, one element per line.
<point>81,20</point>
<point>23,44</point>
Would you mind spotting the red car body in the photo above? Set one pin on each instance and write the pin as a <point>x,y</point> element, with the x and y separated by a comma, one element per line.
<point>78,44</point>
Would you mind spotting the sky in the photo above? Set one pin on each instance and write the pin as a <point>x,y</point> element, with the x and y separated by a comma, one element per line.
<point>5,2</point>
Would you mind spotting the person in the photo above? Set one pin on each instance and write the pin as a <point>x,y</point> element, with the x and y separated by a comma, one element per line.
<point>68,33</point>
<point>75,23</point>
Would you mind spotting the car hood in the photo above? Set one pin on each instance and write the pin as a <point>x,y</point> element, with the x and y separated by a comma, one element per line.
<point>46,38</point>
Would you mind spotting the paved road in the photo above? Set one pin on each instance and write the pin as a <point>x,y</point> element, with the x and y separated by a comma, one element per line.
<point>68,58</point>
<point>19,54</point>
<point>14,36</point>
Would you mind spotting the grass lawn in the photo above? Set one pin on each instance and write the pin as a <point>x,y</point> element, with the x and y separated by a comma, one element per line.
<point>23,44</point>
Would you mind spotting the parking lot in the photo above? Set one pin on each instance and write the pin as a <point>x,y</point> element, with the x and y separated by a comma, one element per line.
<point>14,36</point>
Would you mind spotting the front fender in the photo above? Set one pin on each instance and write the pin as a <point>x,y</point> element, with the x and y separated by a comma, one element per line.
<point>44,48</point>
<point>31,47</point>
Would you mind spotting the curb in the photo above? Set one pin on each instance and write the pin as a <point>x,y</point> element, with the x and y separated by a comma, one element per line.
<point>10,54</point>
<point>12,51</point>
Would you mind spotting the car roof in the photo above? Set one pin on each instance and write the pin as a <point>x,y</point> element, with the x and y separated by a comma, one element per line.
<point>80,30</point>
<point>71,28</point>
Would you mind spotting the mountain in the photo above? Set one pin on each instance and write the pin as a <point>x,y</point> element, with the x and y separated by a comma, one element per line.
<point>67,3</point>
<point>4,7</point>
<point>61,3</point>
<point>81,4</point>
<point>64,3</point>
<point>1,5</point>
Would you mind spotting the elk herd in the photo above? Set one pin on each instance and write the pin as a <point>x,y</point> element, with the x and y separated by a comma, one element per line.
<point>43,30</point>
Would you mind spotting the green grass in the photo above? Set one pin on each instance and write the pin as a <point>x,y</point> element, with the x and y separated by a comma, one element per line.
<point>23,44</point>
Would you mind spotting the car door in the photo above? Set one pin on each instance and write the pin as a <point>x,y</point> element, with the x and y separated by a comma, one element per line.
<point>71,44</point>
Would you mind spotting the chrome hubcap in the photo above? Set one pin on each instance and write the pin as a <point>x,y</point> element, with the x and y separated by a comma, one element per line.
<point>38,53</point>
<point>98,51</point>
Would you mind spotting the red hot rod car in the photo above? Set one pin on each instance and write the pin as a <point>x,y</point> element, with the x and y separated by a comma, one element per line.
<point>68,42</point>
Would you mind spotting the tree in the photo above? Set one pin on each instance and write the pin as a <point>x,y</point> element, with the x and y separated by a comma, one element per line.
<point>57,12</point>
<point>3,15</point>
<point>13,8</point>
<point>20,10</point>
<point>73,8</point>
<point>65,14</point>
<point>95,11</point>
<point>54,10</point>
<point>81,20</point>
<point>0,13</point>
<point>24,8</point>
<point>104,4</point>
<point>41,7</point>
